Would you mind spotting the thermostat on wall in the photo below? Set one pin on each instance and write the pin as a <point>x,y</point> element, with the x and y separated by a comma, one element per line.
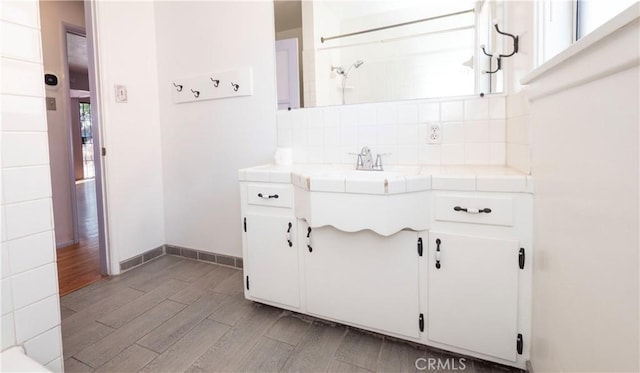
<point>50,80</point>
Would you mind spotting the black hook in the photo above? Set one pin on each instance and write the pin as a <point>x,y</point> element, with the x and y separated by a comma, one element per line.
<point>235,86</point>
<point>515,42</point>
<point>497,68</point>
<point>196,94</point>
<point>178,87</point>
<point>216,82</point>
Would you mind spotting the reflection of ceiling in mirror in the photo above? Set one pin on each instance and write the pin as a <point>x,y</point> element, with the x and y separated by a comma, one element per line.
<point>77,52</point>
<point>288,14</point>
<point>352,9</point>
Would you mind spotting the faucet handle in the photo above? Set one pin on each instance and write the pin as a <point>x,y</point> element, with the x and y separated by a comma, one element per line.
<point>378,164</point>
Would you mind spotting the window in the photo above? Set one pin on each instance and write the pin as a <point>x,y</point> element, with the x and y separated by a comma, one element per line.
<point>591,14</point>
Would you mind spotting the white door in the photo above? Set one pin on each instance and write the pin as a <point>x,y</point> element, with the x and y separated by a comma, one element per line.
<point>272,259</point>
<point>473,295</point>
<point>364,278</point>
<point>287,74</point>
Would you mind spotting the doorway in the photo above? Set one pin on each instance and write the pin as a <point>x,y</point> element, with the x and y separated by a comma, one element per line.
<point>74,138</point>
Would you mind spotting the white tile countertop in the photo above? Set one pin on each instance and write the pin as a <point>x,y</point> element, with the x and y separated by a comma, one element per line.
<point>341,178</point>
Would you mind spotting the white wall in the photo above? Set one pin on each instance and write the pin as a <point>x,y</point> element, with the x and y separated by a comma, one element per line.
<point>54,13</point>
<point>205,143</point>
<point>30,305</point>
<point>584,120</point>
<point>131,131</point>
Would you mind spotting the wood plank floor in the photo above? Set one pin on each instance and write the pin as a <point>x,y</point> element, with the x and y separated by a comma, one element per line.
<point>179,315</point>
<point>79,264</point>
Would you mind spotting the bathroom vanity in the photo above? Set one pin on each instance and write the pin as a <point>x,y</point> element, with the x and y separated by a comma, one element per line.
<point>437,255</point>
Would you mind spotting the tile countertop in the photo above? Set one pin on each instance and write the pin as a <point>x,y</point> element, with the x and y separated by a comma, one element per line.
<point>341,178</point>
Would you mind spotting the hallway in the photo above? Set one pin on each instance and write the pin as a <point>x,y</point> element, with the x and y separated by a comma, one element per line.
<point>79,264</point>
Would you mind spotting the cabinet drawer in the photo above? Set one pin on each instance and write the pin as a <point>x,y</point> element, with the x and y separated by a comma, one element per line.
<point>495,210</point>
<point>274,195</point>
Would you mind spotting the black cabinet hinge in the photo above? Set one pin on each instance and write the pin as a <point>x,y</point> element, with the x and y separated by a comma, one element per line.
<point>309,239</point>
<point>245,224</point>
<point>421,322</point>
<point>103,151</point>
<point>247,282</point>
<point>420,246</point>
<point>519,344</point>
<point>521,258</point>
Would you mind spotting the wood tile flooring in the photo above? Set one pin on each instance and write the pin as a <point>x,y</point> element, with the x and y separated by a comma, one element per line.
<point>179,315</point>
<point>79,264</point>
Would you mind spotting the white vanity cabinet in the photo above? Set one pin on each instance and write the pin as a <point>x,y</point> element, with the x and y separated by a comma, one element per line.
<point>440,260</point>
<point>270,247</point>
<point>364,279</point>
<point>473,293</point>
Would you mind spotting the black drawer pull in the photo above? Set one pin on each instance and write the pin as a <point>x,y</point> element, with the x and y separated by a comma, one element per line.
<point>485,210</point>
<point>269,196</point>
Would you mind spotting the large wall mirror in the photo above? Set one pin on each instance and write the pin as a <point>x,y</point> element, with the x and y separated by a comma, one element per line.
<point>352,52</point>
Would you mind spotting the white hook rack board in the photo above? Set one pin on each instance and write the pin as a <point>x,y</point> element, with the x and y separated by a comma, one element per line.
<point>208,91</point>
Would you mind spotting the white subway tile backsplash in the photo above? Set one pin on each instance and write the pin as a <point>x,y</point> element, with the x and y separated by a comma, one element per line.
<point>349,136</point>
<point>331,117</point>
<point>21,78</point>
<point>7,298</point>
<point>452,133</point>
<point>315,137</point>
<point>476,153</point>
<point>519,157</point>
<point>26,183</point>
<point>518,130</point>
<point>367,115</point>
<point>24,149</point>
<point>386,113</point>
<point>44,347</point>
<point>475,132</point>
<point>331,154</point>
<point>407,134</point>
<point>20,42</point>
<point>314,118</point>
<point>299,137</point>
<point>497,153</point>
<point>27,218</point>
<point>298,118</point>
<point>367,136</point>
<point>8,331</point>
<point>408,154</point>
<point>391,154</point>
<point>285,137</point>
<point>33,285</point>
<point>23,113</point>
<point>386,135</point>
<point>315,155</point>
<point>497,130</point>
<point>451,111</point>
<point>331,136</point>
<point>452,153</point>
<point>429,112</point>
<point>407,113</point>
<point>30,252</point>
<point>348,116</point>
<point>476,109</point>
<point>3,224</point>
<point>300,155</point>
<point>284,119</point>
<point>497,107</point>
<point>430,154</point>
<point>23,12</point>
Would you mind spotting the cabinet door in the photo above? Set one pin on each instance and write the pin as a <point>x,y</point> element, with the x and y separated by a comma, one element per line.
<point>272,263</point>
<point>473,296</point>
<point>365,279</point>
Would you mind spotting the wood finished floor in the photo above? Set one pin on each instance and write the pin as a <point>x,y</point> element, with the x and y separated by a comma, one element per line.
<point>79,264</point>
<point>179,315</point>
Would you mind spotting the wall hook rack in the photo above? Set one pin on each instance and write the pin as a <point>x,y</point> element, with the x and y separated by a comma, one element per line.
<point>235,86</point>
<point>196,94</point>
<point>216,82</point>
<point>178,87</point>
<point>500,55</point>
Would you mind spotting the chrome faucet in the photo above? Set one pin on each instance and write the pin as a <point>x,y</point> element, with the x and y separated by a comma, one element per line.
<point>365,160</point>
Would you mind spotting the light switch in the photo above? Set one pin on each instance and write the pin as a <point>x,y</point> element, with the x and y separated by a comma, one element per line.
<point>51,103</point>
<point>121,93</point>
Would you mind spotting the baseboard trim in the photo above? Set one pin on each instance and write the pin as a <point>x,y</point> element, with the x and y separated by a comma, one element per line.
<point>205,256</point>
